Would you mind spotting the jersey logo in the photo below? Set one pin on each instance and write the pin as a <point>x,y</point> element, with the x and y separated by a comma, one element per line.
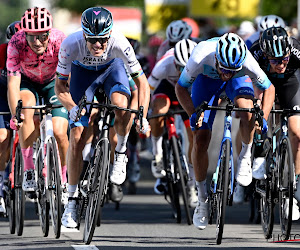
<point>97,12</point>
<point>126,51</point>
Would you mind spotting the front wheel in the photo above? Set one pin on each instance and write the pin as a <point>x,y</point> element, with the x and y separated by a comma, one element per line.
<point>97,187</point>
<point>54,185</point>
<point>10,206</point>
<point>222,190</point>
<point>19,193</point>
<point>286,187</point>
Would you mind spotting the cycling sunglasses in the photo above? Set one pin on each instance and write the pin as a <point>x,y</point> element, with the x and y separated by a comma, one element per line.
<point>280,60</point>
<point>42,38</point>
<point>94,39</point>
<point>226,71</point>
<point>179,67</point>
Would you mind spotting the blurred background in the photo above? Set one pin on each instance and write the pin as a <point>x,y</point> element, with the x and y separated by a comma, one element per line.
<point>141,19</point>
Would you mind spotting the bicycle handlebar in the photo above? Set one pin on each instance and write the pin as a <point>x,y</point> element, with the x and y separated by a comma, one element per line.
<point>169,113</point>
<point>285,111</point>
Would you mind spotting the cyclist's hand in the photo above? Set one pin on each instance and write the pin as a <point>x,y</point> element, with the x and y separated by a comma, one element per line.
<point>13,123</point>
<point>196,124</point>
<point>74,113</point>
<point>146,127</point>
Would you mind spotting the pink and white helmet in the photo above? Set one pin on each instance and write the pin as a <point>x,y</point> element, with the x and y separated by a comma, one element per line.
<point>36,20</point>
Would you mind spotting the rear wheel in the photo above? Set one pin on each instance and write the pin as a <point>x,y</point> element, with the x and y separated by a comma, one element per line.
<point>172,186</point>
<point>222,190</point>
<point>42,202</point>
<point>286,187</point>
<point>97,188</point>
<point>54,186</point>
<point>19,193</point>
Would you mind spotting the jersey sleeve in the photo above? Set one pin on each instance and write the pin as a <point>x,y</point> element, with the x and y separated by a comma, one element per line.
<point>13,56</point>
<point>158,73</point>
<point>126,53</point>
<point>254,71</point>
<point>65,58</point>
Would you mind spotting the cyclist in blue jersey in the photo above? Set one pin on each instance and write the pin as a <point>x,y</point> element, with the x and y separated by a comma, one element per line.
<point>216,65</point>
<point>97,56</point>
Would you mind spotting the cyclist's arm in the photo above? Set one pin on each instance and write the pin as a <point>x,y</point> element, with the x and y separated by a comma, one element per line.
<point>143,91</point>
<point>13,92</point>
<point>268,100</point>
<point>63,93</point>
<point>184,99</point>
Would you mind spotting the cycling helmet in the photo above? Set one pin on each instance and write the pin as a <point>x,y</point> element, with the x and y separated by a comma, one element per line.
<point>12,29</point>
<point>231,51</point>
<point>275,42</point>
<point>270,21</point>
<point>178,30</point>
<point>36,20</point>
<point>155,41</point>
<point>183,50</point>
<point>96,21</point>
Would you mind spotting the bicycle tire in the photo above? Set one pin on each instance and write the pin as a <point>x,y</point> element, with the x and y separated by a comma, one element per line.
<point>19,193</point>
<point>222,190</point>
<point>54,185</point>
<point>267,200</point>
<point>42,202</point>
<point>97,184</point>
<point>286,186</point>
<point>172,189</point>
<point>10,206</point>
<point>178,158</point>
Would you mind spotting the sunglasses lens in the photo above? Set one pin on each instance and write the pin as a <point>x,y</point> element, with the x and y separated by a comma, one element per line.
<point>41,38</point>
<point>94,40</point>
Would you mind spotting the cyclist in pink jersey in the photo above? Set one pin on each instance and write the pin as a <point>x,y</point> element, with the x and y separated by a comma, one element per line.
<point>31,68</point>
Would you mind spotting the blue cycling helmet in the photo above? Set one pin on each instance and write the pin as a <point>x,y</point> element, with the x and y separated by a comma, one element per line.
<point>231,51</point>
<point>96,21</point>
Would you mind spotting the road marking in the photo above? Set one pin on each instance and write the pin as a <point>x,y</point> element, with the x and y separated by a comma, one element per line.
<point>82,247</point>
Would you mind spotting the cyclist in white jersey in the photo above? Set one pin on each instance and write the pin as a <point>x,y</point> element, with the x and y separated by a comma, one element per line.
<point>162,81</point>
<point>215,65</point>
<point>96,57</point>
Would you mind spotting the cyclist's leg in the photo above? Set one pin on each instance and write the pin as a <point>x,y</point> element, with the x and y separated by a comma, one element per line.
<point>241,91</point>
<point>27,135</point>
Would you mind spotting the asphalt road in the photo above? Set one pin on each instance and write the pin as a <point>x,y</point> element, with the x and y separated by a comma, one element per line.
<point>144,221</point>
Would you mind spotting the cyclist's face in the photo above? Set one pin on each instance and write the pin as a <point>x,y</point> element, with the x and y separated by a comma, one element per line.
<point>278,65</point>
<point>224,74</point>
<point>96,46</point>
<point>38,41</point>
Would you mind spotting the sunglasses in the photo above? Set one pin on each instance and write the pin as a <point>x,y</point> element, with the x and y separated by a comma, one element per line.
<point>226,71</point>
<point>94,39</point>
<point>41,38</point>
<point>280,60</point>
<point>179,67</point>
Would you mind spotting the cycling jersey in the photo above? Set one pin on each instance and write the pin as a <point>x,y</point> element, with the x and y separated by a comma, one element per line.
<point>38,69</point>
<point>74,50</point>
<point>164,69</point>
<point>286,84</point>
<point>203,61</point>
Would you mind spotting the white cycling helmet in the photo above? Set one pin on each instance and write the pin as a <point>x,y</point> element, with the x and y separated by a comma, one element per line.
<point>178,30</point>
<point>270,21</point>
<point>183,50</point>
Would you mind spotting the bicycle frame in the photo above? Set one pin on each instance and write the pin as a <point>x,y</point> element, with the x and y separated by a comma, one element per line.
<point>226,135</point>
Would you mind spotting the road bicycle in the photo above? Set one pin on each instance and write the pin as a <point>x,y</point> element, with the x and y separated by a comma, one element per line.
<point>175,165</point>
<point>93,185</point>
<point>14,194</point>
<point>222,183</point>
<point>48,170</point>
<point>279,185</point>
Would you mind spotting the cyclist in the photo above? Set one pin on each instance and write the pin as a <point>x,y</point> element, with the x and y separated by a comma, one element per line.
<point>5,132</point>
<point>96,56</point>
<point>176,31</point>
<point>32,57</point>
<point>278,56</point>
<point>162,81</point>
<point>264,23</point>
<point>215,65</point>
